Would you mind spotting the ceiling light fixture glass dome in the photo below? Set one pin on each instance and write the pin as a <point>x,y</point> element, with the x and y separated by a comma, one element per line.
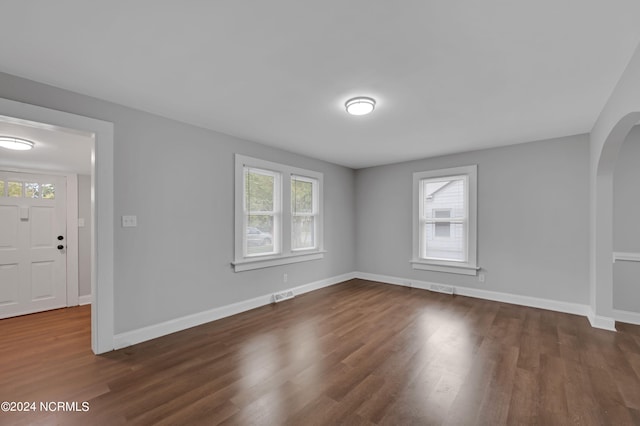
<point>16,144</point>
<point>360,105</point>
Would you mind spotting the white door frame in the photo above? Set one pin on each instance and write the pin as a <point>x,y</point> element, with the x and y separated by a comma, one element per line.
<point>102,223</point>
<point>72,228</point>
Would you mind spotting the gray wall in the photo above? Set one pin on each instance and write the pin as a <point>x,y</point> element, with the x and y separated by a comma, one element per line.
<point>84,235</point>
<point>178,180</point>
<point>533,221</point>
<point>626,226</point>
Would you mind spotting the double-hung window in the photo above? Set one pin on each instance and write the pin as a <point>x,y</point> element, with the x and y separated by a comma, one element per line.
<point>444,220</point>
<point>278,214</point>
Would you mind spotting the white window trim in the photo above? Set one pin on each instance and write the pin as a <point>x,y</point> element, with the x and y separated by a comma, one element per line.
<point>286,254</point>
<point>470,266</point>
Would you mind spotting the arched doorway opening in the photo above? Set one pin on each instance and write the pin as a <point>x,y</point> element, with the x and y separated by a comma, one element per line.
<point>626,231</point>
<point>602,222</point>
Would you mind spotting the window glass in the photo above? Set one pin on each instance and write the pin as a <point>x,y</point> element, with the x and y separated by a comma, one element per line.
<point>447,242</point>
<point>48,191</point>
<point>301,195</point>
<point>303,212</point>
<point>31,190</point>
<point>303,232</point>
<point>442,228</point>
<point>444,199</point>
<point>15,189</point>
<point>260,196</point>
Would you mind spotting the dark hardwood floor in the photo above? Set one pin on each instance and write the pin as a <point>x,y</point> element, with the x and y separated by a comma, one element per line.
<point>355,353</point>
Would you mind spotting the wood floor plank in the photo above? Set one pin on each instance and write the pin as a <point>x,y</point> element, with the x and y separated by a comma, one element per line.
<point>582,403</point>
<point>523,407</point>
<point>553,407</point>
<point>355,353</point>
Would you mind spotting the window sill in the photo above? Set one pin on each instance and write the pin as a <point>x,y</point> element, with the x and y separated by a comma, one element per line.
<point>448,268</point>
<point>629,257</point>
<point>257,263</point>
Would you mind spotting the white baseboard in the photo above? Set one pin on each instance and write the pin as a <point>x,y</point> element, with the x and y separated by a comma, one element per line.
<point>386,279</point>
<point>598,321</point>
<point>627,316</point>
<point>133,337</point>
<point>323,283</point>
<point>85,300</point>
<point>122,340</point>
<point>533,302</point>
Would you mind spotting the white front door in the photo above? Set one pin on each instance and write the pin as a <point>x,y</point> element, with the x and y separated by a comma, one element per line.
<point>33,271</point>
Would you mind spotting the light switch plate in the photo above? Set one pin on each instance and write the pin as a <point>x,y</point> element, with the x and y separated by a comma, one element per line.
<point>80,222</point>
<point>129,221</point>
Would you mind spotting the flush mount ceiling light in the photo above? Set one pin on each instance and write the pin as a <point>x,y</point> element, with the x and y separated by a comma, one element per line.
<point>16,144</point>
<point>360,105</point>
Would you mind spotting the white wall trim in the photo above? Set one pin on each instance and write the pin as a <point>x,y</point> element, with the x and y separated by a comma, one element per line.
<point>630,257</point>
<point>102,224</point>
<point>626,316</point>
<point>533,302</point>
<point>285,254</point>
<point>385,279</point>
<point>72,239</point>
<point>598,321</point>
<point>85,300</point>
<point>258,263</point>
<point>451,269</point>
<point>140,335</point>
<point>133,337</point>
<point>470,265</point>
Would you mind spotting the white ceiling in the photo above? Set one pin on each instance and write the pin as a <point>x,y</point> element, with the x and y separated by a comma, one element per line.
<point>449,76</point>
<point>56,149</point>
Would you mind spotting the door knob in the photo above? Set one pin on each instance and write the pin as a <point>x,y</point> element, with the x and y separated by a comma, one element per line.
<point>60,247</point>
<point>60,238</point>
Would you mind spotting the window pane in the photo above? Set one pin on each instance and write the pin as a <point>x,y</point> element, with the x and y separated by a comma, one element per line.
<point>451,248</point>
<point>443,230</point>
<point>259,191</point>
<point>301,195</point>
<point>260,234</point>
<point>32,190</point>
<point>444,199</point>
<point>303,232</point>
<point>1,188</point>
<point>48,191</point>
<point>15,189</point>
<point>260,203</point>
